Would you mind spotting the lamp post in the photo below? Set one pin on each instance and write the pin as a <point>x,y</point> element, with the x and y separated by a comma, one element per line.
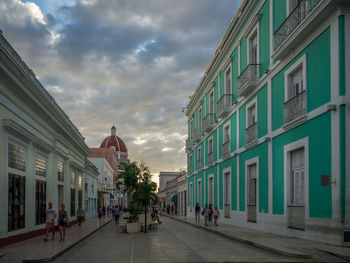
<point>145,175</point>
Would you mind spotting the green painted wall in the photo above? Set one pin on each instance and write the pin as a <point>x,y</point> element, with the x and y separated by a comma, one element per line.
<point>262,112</point>
<point>264,37</point>
<point>342,161</point>
<point>233,120</point>
<point>279,13</point>
<point>260,151</point>
<point>242,124</point>
<point>243,54</point>
<point>318,78</point>
<point>341,56</point>
<point>320,198</point>
<point>234,70</point>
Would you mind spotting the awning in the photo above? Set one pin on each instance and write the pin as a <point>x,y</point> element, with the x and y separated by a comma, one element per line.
<point>174,198</point>
<point>111,196</point>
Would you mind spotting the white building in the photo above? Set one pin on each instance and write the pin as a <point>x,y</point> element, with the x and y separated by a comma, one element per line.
<point>91,189</point>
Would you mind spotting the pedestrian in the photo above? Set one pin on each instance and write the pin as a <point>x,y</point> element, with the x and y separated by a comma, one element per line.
<point>197,212</point>
<point>205,213</point>
<point>80,214</point>
<point>100,211</point>
<point>50,222</point>
<point>116,214</point>
<point>216,216</point>
<point>211,211</point>
<point>62,222</point>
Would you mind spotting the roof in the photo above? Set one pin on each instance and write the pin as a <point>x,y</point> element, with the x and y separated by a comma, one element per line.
<point>114,140</point>
<point>107,153</point>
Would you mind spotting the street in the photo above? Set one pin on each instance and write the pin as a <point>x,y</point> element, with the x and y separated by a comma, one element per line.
<point>173,242</point>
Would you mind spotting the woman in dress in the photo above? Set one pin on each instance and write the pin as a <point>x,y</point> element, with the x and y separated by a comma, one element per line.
<point>62,222</point>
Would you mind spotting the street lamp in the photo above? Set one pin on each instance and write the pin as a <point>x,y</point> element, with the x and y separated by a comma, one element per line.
<point>145,175</point>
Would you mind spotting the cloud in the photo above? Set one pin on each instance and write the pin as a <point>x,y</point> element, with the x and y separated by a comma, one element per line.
<point>129,63</point>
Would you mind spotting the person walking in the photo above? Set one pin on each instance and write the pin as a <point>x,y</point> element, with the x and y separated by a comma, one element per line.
<point>205,213</point>
<point>216,215</point>
<point>100,211</point>
<point>197,210</point>
<point>210,217</point>
<point>50,222</point>
<point>62,222</point>
<point>116,214</point>
<point>80,214</point>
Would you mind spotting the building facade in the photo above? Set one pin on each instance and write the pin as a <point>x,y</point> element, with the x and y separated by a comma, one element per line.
<point>91,189</point>
<point>42,153</point>
<point>164,178</point>
<point>269,123</point>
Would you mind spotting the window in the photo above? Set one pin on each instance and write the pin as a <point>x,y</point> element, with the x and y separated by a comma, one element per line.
<point>210,146</point>
<point>199,192</point>
<point>60,171</point>
<point>252,184</point>
<point>295,86</point>
<point>253,48</point>
<point>227,188</point>
<point>191,127</point>
<point>16,156</point>
<point>16,202</point>
<point>190,164</point>
<point>211,102</point>
<point>40,165</point>
<point>228,81</point>
<point>199,154</point>
<point>72,194</point>
<point>200,121</point>
<point>191,195</point>
<point>251,115</point>
<point>40,202</point>
<point>80,190</point>
<point>211,190</point>
<point>297,181</point>
<point>226,133</point>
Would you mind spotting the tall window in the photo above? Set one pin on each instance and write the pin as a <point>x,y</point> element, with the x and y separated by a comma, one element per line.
<point>228,81</point>
<point>191,127</point>
<point>80,189</point>
<point>40,202</point>
<point>253,49</point>
<point>252,184</point>
<point>297,181</point>
<point>16,187</point>
<point>295,86</point>
<point>211,190</point>
<point>211,102</point>
<point>200,121</point>
<point>40,165</point>
<point>72,194</point>
<point>227,134</point>
<point>190,166</point>
<point>251,115</point>
<point>191,195</point>
<point>199,192</point>
<point>210,146</point>
<point>227,187</point>
<point>60,171</point>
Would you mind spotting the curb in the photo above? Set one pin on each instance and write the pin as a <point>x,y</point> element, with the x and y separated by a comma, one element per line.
<point>242,240</point>
<point>52,258</point>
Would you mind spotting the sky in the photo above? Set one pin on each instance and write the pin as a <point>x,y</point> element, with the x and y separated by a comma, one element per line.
<point>130,63</point>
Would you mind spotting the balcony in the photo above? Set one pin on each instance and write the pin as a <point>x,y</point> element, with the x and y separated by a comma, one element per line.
<point>248,79</point>
<point>297,26</point>
<point>210,159</point>
<point>224,105</point>
<point>226,149</point>
<point>208,122</point>
<point>198,164</point>
<point>251,133</point>
<point>188,144</point>
<point>295,107</point>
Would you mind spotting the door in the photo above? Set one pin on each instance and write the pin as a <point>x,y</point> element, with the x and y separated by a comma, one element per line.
<point>185,202</point>
<point>211,191</point>
<point>251,215</point>
<point>60,195</point>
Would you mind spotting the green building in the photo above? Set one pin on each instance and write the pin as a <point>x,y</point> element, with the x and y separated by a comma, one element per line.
<point>42,153</point>
<point>269,123</point>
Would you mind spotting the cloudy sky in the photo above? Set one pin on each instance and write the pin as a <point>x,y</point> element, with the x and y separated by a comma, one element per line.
<point>124,62</point>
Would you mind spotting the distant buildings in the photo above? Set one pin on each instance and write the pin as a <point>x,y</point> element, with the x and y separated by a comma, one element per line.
<point>269,123</point>
<point>42,154</point>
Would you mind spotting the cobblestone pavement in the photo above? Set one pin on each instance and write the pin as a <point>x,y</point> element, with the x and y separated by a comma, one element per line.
<point>173,242</point>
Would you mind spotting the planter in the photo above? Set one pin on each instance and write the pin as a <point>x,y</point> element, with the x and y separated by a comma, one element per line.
<point>132,227</point>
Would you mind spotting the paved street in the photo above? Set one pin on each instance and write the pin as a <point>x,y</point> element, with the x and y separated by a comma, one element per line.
<point>173,242</point>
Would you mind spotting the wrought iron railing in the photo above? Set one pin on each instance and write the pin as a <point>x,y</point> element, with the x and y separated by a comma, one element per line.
<point>296,17</point>
<point>208,122</point>
<point>210,159</point>
<point>224,104</point>
<point>295,107</point>
<point>250,73</point>
<point>226,149</point>
<point>251,133</point>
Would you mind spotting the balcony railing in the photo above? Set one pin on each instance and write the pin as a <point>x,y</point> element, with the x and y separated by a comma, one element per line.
<point>224,105</point>
<point>248,79</point>
<point>208,122</point>
<point>251,133</point>
<point>296,17</point>
<point>188,144</point>
<point>226,149</point>
<point>295,107</point>
<point>210,159</point>
<point>199,164</point>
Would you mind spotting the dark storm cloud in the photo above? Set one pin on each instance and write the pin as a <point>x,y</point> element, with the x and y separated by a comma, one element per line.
<point>131,63</point>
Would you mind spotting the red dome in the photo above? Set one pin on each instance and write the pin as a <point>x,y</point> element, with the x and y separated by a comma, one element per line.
<point>114,140</point>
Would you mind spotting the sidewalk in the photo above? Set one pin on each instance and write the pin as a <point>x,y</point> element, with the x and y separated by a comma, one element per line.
<point>37,250</point>
<point>287,246</point>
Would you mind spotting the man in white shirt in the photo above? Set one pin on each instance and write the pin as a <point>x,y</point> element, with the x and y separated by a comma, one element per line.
<point>50,221</point>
